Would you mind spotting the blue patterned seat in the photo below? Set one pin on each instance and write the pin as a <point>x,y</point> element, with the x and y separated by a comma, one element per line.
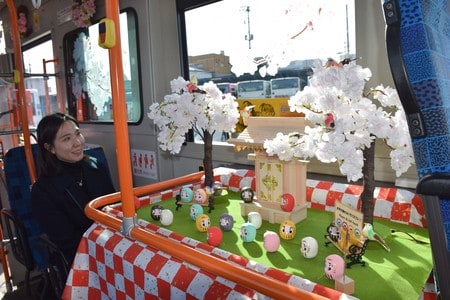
<point>418,44</point>
<point>19,195</point>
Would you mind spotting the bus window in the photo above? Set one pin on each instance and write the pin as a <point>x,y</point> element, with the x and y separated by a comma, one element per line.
<point>253,89</point>
<point>40,79</point>
<point>35,104</point>
<point>227,87</point>
<point>88,80</point>
<point>286,87</point>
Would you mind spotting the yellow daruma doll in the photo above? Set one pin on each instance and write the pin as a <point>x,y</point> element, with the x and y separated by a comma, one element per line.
<point>287,230</point>
<point>203,223</point>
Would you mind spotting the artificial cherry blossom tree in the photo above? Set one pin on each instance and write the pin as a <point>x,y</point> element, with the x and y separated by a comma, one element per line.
<point>205,110</point>
<point>347,121</point>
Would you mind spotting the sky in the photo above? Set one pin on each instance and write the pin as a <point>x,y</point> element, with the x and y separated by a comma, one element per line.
<point>294,29</point>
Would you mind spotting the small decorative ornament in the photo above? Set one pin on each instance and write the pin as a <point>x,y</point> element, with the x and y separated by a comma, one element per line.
<point>287,230</point>
<point>203,223</point>
<point>214,236</point>
<point>82,12</point>
<point>217,188</point>
<point>255,218</point>
<point>287,202</point>
<point>226,222</point>
<point>309,247</point>
<point>22,13</point>
<point>369,233</point>
<point>186,194</point>
<point>36,3</point>
<point>156,212</point>
<point>166,217</point>
<point>200,196</point>
<point>248,232</point>
<point>271,241</point>
<point>247,194</point>
<point>334,266</point>
<point>195,211</point>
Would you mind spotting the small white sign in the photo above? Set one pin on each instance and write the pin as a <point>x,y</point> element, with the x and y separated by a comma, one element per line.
<point>144,163</point>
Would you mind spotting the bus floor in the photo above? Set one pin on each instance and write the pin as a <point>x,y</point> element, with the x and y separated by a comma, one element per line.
<point>19,291</point>
<point>18,286</point>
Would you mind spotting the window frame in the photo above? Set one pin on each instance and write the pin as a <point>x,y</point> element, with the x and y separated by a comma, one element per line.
<point>71,101</point>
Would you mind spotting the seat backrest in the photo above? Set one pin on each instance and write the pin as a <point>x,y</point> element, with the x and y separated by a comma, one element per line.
<point>18,185</point>
<point>19,193</point>
<point>418,45</point>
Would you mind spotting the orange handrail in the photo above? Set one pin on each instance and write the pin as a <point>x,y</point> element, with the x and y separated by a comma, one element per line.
<point>21,89</point>
<point>256,281</point>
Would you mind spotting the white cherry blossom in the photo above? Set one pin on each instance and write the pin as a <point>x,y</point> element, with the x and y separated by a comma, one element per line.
<point>191,107</point>
<point>346,121</point>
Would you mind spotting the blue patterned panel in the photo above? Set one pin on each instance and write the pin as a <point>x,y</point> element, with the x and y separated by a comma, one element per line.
<point>19,196</point>
<point>445,208</point>
<point>19,187</point>
<point>425,42</point>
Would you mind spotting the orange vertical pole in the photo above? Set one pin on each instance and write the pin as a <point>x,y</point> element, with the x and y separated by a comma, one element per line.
<point>21,88</point>
<point>23,116</point>
<point>120,116</point>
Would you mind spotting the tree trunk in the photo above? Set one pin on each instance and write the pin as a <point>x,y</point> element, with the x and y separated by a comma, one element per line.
<point>207,158</point>
<point>367,204</point>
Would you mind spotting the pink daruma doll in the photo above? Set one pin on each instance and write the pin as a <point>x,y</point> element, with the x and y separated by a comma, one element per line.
<point>334,266</point>
<point>271,241</point>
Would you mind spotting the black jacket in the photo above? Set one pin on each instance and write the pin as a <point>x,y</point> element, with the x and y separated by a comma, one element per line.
<point>58,202</point>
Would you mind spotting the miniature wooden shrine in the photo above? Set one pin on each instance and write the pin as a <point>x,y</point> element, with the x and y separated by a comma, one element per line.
<point>274,178</point>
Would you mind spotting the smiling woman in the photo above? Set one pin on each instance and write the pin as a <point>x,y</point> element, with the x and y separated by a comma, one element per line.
<point>68,180</point>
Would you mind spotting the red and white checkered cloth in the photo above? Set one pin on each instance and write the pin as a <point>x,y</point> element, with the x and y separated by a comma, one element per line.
<point>397,205</point>
<point>109,265</point>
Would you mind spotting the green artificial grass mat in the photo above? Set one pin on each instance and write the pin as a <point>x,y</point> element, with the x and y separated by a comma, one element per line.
<point>398,274</point>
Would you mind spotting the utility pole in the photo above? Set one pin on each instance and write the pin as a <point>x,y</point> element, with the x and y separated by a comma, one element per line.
<point>249,36</point>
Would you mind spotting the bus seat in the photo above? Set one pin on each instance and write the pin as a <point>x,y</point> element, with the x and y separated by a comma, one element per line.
<point>18,186</point>
<point>19,193</point>
<point>418,46</point>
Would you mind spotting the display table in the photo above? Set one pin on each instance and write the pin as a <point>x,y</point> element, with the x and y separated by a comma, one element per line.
<point>110,265</point>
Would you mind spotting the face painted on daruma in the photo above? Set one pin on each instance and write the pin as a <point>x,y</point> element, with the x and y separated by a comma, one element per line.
<point>68,144</point>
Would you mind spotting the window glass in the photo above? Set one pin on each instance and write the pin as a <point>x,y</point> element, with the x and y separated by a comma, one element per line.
<point>40,83</point>
<point>88,79</point>
<point>265,48</point>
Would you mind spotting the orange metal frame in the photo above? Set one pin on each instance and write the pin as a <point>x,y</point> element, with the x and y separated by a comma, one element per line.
<point>270,287</point>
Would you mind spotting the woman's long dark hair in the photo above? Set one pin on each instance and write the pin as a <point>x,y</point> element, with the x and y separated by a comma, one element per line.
<point>48,164</point>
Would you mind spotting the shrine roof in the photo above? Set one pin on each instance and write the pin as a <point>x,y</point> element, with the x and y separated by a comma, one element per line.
<point>260,129</point>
